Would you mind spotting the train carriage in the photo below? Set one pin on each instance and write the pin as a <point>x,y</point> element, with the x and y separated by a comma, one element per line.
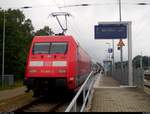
<point>56,61</point>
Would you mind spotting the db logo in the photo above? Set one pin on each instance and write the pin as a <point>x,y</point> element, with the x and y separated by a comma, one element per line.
<point>47,63</point>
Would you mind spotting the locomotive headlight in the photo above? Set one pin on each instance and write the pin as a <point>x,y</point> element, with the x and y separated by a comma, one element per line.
<point>36,63</point>
<point>59,63</point>
<point>62,71</point>
<point>71,78</point>
<point>32,70</point>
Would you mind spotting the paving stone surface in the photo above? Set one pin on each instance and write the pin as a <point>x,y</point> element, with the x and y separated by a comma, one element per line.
<point>110,97</point>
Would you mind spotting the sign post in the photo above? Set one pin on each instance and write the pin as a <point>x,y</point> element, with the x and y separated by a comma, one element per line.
<point>110,30</point>
<point>120,44</point>
<point>117,30</point>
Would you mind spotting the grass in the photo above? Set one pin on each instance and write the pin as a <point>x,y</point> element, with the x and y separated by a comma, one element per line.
<point>11,104</point>
<point>17,83</point>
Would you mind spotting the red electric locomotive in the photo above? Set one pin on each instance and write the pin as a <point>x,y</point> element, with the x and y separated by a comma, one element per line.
<point>56,61</point>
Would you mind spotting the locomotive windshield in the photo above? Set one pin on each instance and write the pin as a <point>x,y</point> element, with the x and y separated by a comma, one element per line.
<point>50,48</point>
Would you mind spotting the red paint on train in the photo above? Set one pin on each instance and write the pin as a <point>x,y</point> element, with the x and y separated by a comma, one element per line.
<point>57,57</point>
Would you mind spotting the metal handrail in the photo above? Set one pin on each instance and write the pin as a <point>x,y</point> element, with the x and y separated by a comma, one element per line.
<point>73,103</point>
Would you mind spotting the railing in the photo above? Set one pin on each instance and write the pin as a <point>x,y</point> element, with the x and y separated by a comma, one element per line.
<point>88,84</point>
<point>8,80</point>
<point>146,79</point>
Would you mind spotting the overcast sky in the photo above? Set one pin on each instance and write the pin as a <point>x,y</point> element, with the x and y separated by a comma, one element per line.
<point>81,24</point>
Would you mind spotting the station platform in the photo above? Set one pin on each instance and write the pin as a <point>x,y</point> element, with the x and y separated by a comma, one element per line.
<point>109,96</point>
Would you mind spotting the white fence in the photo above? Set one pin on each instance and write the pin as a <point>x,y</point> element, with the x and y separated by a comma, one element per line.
<point>80,100</point>
<point>8,80</point>
<point>138,74</point>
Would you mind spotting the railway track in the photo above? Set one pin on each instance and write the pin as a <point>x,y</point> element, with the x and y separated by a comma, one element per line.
<point>56,103</point>
<point>44,106</point>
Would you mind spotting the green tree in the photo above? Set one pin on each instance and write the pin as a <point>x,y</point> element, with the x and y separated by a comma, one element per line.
<point>136,61</point>
<point>145,61</point>
<point>44,31</point>
<point>18,36</point>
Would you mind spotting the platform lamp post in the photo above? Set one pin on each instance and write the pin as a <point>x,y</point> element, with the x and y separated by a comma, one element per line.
<point>3,53</point>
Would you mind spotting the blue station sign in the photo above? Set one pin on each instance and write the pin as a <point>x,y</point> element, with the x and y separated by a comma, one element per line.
<point>110,31</point>
<point>110,50</point>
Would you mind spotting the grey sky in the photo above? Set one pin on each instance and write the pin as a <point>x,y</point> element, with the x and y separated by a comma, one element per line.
<point>81,24</point>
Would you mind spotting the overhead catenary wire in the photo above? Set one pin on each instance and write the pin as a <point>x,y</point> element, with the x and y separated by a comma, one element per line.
<point>140,3</point>
<point>106,3</point>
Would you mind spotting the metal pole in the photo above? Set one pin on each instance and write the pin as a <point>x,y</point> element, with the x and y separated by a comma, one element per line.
<point>120,10</point>
<point>108,50</point>
<point>141,62</point>
<point>121,51</point>
<point>3,58</point>
<point>113,62</point>
<point>75,107</point>
<point>130,54</point>
<point>148,63</point>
